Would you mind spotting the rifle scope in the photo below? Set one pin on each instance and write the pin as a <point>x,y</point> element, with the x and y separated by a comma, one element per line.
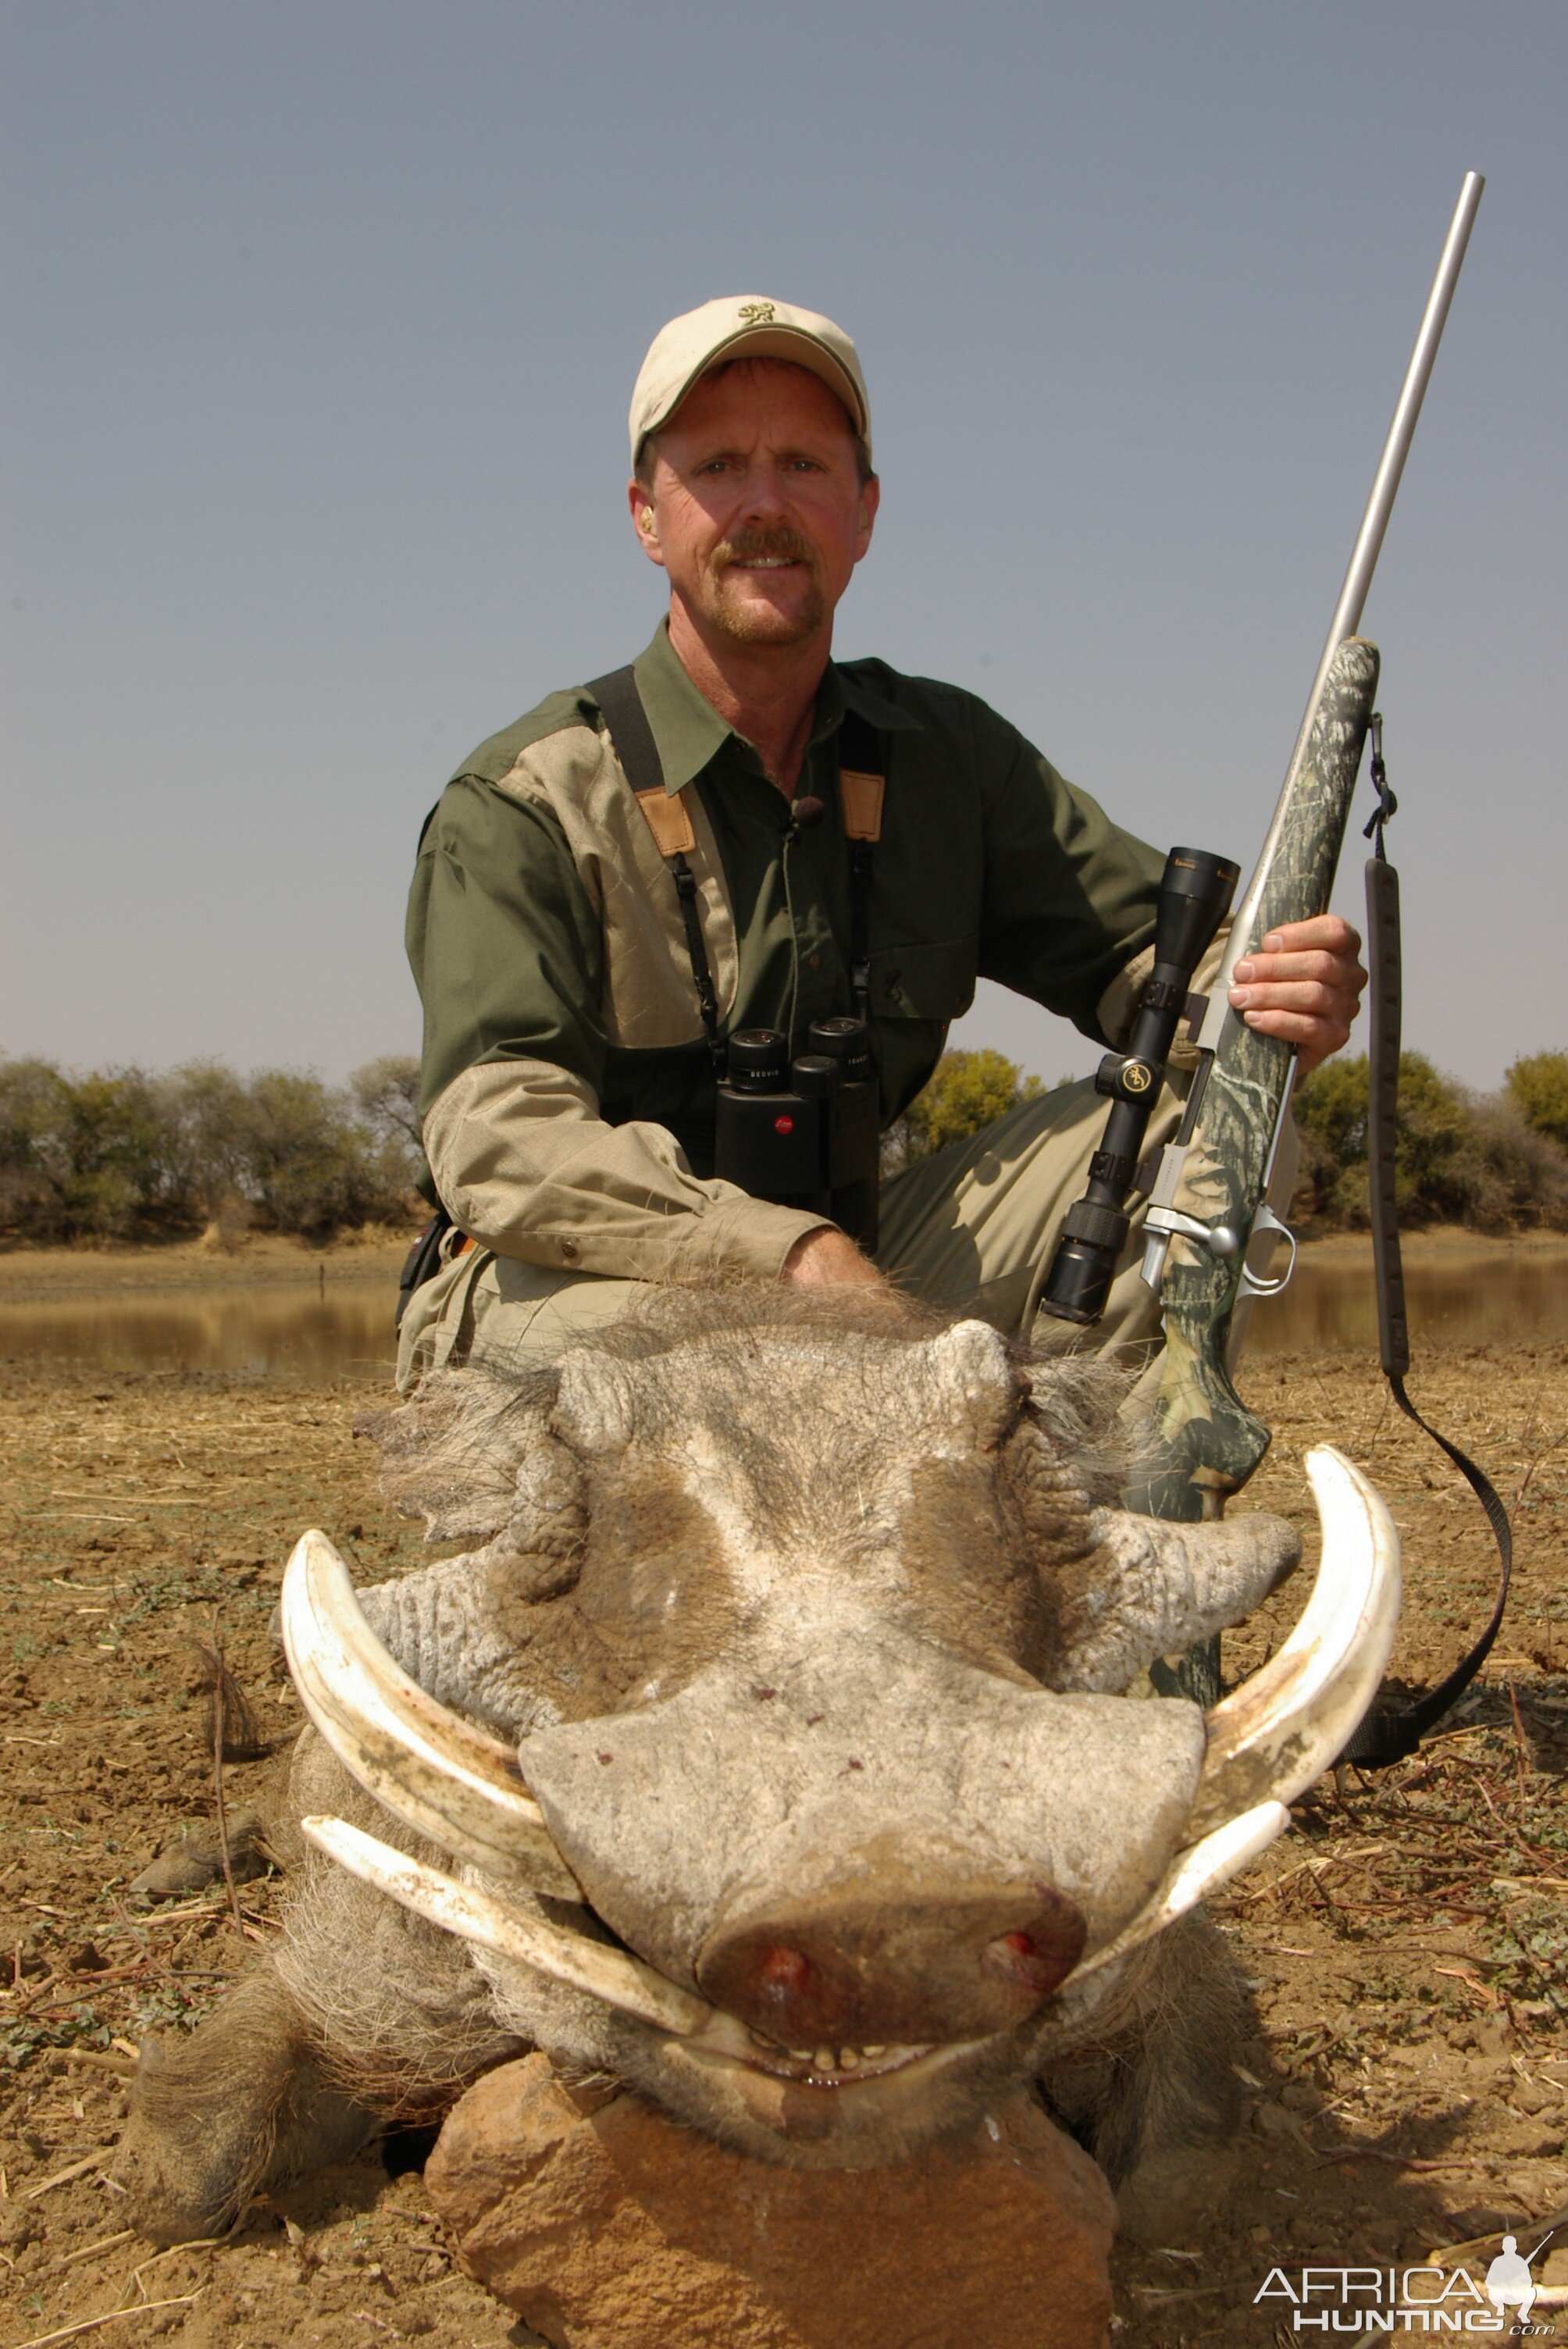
<point>1195,892</point>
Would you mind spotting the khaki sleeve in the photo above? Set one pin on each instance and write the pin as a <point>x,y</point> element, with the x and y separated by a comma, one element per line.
<point>524,1162</point>
<point>1119,1004</point>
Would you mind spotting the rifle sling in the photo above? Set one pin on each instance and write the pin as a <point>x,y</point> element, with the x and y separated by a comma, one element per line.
<point>1391,1733</point>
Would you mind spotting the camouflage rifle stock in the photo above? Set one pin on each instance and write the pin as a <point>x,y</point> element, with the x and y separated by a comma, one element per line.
<point>1207,1202</point>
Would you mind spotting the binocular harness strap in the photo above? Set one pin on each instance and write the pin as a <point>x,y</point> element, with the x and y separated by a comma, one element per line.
<point>861,788</point>
<point>669,820</point>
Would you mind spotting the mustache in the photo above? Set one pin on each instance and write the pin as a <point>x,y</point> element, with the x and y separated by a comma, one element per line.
<point>784,544</point>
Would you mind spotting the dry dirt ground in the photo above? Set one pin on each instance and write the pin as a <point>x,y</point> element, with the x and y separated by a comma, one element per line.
<point>1407,2085</point>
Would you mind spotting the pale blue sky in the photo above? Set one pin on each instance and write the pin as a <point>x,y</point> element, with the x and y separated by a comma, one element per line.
<point>321,323</point>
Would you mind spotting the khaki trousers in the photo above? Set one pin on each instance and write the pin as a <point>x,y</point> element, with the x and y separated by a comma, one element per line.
<point>972,1228</point>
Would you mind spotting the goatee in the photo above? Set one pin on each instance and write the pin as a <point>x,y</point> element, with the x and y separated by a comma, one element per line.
<point>755,624</point>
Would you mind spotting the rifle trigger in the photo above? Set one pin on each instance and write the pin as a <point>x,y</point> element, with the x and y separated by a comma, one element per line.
<point>1265,1220</point>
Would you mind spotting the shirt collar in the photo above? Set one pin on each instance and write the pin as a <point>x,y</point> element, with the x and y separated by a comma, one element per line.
<point>688,731</point>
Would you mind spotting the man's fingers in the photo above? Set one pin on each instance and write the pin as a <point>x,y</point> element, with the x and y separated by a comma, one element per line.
<point>1303,987</point>
<point>1334,971</point>
<point>1319,948</point>
<point>1298,995</point>
<point>1311,1030</point>
<point>1329,931</point>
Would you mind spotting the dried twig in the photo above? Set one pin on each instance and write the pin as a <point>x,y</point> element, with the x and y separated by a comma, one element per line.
<point>219,1683</point>
<point>64,2176</point>
<point>111,2317</point>
<point>86,2252</point>
<point>1395,2160</point>
<point>1519,1745</point>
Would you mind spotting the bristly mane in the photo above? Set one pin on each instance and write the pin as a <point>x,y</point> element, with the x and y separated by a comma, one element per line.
<point>452,1453</point>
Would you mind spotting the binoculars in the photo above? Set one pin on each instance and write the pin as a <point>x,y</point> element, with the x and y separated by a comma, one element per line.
<point>804,1132</point>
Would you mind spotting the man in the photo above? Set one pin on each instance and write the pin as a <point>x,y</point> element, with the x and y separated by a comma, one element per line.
<point>568,1090</point>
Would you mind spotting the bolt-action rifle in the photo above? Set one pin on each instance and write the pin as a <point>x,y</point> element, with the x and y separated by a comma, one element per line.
<point>1208,1189</point>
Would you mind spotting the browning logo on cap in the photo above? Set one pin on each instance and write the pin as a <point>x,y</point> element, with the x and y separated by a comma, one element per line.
<point>734,327</point>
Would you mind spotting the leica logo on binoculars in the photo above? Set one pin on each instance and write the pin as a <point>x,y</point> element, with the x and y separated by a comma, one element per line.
<point>804,1132</point>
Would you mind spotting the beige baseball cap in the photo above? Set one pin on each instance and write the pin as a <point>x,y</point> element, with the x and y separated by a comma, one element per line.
<point>749,325</point>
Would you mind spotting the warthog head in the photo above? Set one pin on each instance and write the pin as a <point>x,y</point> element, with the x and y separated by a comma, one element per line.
<point>821,1805</point>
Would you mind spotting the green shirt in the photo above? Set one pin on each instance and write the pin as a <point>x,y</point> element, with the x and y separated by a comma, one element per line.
<point>542,928</point>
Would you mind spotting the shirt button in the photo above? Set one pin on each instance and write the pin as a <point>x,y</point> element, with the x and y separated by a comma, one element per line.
<point>813,962</point>
<point>569,1250</point>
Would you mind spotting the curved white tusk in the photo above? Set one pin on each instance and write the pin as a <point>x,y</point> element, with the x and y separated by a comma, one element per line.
<point>572,1958</point>
<point>441,1777</point>
<point>1199,1870</point>
<point>1283,1727</point>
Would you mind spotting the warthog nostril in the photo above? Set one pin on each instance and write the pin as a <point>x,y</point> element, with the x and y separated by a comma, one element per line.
<point>1019,1958</point>
<point>781,1972</point>
<point>915,1960</point>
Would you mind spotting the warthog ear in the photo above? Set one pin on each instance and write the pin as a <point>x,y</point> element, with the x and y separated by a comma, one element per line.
<point>461,1453</point>
<point>970,1366</point>
<point>1144,1587</point>
<point>596,1411</point>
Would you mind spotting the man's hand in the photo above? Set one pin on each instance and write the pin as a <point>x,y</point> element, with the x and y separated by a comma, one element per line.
<point>825,1259</point>
<point>1302,986</point>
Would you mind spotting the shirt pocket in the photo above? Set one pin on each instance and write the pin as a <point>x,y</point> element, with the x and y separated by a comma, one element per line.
<point>931,981</point>
<point>915,991</point>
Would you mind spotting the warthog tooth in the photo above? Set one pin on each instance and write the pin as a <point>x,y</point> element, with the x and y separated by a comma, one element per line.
<point>822,2061</point>
<point>1199,1870</point>
<point>871,2053</point>
<point>444,1779</point>
<point>1277,1733</point>
<point>475,1915</point>
<point>799,2054</point>
<point>848,2058</point>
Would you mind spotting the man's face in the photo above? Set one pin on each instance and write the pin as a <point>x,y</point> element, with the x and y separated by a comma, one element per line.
<point>756,507</point>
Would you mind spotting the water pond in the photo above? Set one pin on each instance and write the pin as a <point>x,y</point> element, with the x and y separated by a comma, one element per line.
<point>291,1330</point>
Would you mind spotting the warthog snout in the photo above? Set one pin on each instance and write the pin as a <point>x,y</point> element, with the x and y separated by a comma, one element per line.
<point>892,1951</point>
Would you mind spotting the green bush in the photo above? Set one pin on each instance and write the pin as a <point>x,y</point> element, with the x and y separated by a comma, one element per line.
<point>967,1091</point>
<point>119,1153</point>
<point>1458,1159</point>
<point>78,1156</point>
<point>1537,1088</point>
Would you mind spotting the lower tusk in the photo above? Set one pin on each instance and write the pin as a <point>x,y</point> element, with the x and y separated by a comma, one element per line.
<point>1283,1727</point>
<point>446,1780</point>
<point>1199,1870</point>
<point>570,1959</point>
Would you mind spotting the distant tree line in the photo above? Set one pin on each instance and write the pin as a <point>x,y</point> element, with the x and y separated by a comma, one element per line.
<point>122,1154</point>
<point>1496,1162</point>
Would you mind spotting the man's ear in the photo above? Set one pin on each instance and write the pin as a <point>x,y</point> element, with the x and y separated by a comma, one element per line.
<point>644,520</point>
<point>870,497</point>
